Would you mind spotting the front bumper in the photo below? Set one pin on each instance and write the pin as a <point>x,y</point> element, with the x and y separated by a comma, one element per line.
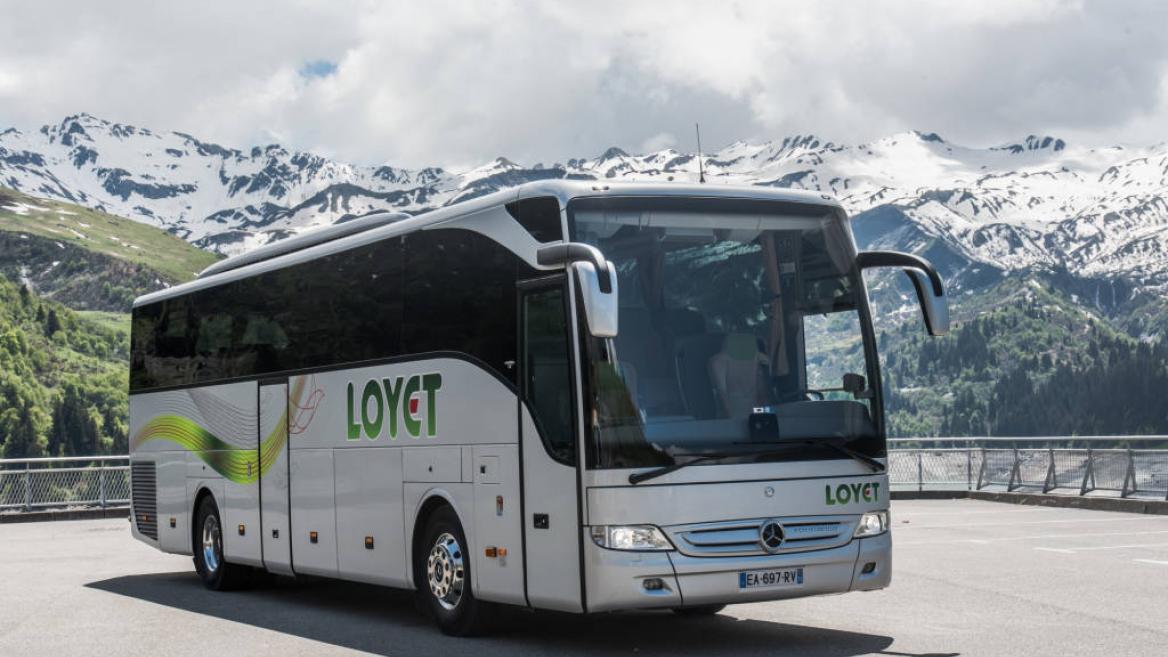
<point>616,579</point>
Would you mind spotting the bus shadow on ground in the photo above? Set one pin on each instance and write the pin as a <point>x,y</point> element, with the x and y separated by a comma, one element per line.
<point>385,621</point>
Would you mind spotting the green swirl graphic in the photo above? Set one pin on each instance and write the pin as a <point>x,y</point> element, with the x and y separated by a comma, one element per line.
<point>235,464</point>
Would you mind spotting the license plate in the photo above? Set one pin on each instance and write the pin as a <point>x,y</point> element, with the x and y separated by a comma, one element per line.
<point>759,579</point>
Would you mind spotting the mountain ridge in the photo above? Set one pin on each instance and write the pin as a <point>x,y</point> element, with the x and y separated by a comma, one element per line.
<point>1036,203</point>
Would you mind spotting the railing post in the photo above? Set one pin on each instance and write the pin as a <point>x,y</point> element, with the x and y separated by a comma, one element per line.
<point>1088,473</point>
<point>1051,481</point>
<point>981,470</point>
<point>1014,471</point>
<point>101,481</point>
<point>920,470</point>
<point>1129,475</point>
<point>968,466</point>
<point>28,486</point>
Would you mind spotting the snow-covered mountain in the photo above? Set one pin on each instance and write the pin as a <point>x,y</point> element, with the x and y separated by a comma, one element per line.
<point>1093,213</point>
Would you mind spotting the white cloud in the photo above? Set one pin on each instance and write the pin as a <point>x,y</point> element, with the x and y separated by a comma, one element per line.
<point>454,82</point>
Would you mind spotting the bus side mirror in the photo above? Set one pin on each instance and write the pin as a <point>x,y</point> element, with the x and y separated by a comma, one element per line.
<point>597,276</point>
<point>600,306</point>
<point>925,279</point>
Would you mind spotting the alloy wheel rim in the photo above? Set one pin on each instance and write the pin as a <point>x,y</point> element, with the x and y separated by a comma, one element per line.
<point>212,544</point>
<point>446,571</point>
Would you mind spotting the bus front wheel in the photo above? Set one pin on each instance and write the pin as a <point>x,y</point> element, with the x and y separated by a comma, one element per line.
<point>217,574</point>
<point>442,577</point>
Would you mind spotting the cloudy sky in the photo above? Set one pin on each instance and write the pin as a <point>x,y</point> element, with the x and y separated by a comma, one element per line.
<point>458,83</point>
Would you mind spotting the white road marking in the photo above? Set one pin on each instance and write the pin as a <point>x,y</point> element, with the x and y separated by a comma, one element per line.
<point>1076,550</point>
<point>1152,561</point>
<point>1029,509</point>
<point>1035,537</point>
<point>1134,518</point>
<point>1119,547</point>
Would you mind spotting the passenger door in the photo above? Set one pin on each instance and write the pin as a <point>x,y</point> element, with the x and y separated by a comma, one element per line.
<point>551,514</point>
<point>274,516</point>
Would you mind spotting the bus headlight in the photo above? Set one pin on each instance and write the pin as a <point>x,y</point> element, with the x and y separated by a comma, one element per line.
<point>630,537</point>
<point>872,523</point>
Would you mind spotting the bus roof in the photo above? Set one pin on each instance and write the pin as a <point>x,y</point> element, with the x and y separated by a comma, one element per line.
<point>251,263</point>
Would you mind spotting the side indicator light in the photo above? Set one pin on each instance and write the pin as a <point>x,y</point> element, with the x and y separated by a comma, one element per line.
<point>491,552</point>
<point>312,537</point>
<point>173,522</point>
<point>502,552</point>
<point>242,530</point>
<point>368,542</point>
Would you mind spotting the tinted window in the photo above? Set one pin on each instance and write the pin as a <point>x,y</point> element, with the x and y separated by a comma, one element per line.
<point>459,294</point>
<point>547,374</point>
<point>540,216</point>
<point>451,290</point>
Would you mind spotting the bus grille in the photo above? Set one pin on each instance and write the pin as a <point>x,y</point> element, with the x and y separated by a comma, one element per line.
<point>737,538</point>
<point>144,498</point>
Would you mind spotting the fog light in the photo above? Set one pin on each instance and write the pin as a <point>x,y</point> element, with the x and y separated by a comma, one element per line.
<point>654,584</point>
<point>869,568</point>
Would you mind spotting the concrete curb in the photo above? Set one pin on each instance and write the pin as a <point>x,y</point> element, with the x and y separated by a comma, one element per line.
<point>1125,505</point>
<point>929,494</point>
<point>65,514</point>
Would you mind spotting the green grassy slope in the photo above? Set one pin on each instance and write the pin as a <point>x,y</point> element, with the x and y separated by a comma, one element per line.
<point>67,278</point>
<point>102,233</point>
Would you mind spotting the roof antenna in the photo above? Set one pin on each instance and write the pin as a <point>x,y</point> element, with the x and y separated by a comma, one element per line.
<point>701,169</point>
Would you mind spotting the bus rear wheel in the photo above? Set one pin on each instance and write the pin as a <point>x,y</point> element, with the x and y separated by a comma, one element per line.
<point>216,573</point>
<point>442,577</point>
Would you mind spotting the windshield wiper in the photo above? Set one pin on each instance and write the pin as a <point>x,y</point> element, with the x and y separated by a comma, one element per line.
<point>876,465</point>
<point>638,477</point>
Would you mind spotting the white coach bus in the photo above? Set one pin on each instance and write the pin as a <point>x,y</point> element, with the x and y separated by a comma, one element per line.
<point>571,396</point>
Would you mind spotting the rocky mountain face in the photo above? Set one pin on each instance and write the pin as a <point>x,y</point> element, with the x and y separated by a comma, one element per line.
<point>1094,218</point>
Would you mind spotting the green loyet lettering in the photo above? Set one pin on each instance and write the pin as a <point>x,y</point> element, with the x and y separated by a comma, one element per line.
<point>354,432</point>
<point>431,383</point>
<point>852,493</point>
<point>413,425</point>
<point>393,389</point>
<point>372,427</point>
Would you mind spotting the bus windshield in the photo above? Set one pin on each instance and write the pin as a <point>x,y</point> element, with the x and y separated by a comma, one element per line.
<point>742,325</point>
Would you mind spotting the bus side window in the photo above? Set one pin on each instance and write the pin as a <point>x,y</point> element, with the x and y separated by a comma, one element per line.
<point>547,374</point>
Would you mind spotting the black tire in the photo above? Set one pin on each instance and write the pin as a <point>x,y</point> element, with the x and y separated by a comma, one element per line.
<point>447,597</point>
<point>699,610</point>
<point>207,545</point>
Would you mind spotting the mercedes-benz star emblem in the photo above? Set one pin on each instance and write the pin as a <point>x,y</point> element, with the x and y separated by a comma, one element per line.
<point>770,536</point>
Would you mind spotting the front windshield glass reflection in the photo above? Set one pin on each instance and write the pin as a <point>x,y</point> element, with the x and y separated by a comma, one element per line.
<point>741,326</point>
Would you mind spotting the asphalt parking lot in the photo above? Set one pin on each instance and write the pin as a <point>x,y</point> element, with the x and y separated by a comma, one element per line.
<point>970,578</point>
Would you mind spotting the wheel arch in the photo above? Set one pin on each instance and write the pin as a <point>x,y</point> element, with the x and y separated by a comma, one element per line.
<point>201,493</point>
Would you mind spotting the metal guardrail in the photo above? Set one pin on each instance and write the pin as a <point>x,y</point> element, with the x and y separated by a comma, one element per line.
<point>1049,464</point>
<point>44,483</point>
